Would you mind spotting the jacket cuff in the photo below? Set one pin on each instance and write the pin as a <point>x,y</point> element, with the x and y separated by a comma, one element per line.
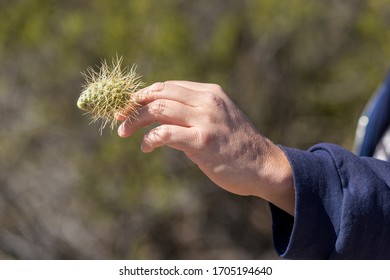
<point>311,233</point>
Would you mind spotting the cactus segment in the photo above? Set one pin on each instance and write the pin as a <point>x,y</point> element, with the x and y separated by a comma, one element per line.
<point>108,92</point>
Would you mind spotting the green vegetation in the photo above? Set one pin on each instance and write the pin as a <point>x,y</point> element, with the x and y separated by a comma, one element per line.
<point>302,71</point>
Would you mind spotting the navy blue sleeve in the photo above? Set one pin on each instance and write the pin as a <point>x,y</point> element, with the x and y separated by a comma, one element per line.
<point>342,207</point>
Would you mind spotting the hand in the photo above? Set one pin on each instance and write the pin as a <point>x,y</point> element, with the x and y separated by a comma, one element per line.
<point>200,120</point>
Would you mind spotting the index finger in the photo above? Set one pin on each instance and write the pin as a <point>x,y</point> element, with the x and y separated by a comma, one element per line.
<point>196,85</point>
<point>168,90</point>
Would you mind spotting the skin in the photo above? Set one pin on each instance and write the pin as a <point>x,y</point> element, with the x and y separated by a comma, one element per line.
<point>201,121</point>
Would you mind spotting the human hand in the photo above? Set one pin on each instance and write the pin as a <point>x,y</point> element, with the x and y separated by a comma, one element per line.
<point>200,120</point>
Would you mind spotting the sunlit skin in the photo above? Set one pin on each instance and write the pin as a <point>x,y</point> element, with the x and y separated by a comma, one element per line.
<point>201,121</point>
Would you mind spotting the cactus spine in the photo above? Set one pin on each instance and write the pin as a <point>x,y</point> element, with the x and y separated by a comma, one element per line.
<point>108,92</point>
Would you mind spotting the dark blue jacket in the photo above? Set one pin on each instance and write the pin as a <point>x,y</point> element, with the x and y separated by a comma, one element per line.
<point>342,200</point>
<point>342,207</point>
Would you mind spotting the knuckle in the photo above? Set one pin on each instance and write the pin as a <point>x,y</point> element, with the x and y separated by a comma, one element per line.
<point>214,99</point>
<point>159,136</point>
<point>216,107</point>
<point>165,134</point>
<point>158,86</point>
<point>145,94</point>
<point>204,139</point>
<point>149,93</point>
<point>157,108</point>
<point>216,88</point>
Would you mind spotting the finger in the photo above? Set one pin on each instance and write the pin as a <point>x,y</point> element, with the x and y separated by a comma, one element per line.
<point>196,86</point>
<point>181,138</point>
<point>120,116</point>
<point>161,111</point>
<point>130,109</point>
<point>187,92</point>
<point>170,91</point>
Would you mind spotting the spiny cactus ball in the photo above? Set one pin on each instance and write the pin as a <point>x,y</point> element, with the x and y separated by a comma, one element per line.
<point>108,92</point>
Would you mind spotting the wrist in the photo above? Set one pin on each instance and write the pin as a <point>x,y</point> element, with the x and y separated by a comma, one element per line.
<point>277,186</point>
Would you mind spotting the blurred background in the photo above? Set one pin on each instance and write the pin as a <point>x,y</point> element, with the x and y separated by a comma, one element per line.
<point>301,71</point>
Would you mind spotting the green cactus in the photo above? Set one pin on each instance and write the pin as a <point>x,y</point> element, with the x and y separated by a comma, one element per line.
<point>108,93</point>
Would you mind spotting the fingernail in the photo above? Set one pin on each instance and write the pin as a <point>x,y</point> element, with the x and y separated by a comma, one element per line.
<point>121,130</point>
<point>146,148</point>
<point>143,148</point>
